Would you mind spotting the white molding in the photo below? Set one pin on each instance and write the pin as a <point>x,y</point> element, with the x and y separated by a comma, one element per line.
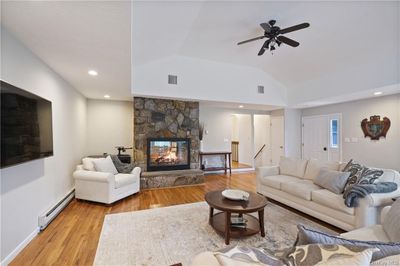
<point>19,248</point>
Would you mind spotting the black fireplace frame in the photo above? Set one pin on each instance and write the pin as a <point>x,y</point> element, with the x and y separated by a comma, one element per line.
<point>168,167</point>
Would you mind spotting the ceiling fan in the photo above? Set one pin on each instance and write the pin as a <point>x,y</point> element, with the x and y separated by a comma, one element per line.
<point>273,33</point>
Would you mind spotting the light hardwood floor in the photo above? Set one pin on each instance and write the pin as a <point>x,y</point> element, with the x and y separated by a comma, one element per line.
<point>71,239</point>
<point>237,165</point>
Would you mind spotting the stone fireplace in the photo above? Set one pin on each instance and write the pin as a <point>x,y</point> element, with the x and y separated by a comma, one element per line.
<point>163,118</point>
<point>168,154</point>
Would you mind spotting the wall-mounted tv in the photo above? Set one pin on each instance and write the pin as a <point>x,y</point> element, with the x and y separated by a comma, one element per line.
<point>26,126</point>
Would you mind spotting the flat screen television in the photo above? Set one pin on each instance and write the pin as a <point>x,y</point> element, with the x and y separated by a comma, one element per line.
<point>26,126</point>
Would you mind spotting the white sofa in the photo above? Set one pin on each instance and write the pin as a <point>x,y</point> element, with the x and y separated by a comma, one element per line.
<point>105,187</point>
<point>370,233</point>
<point>291,183</point>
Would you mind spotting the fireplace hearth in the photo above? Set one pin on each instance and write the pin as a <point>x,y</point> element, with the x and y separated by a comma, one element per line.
<point>168,154</point>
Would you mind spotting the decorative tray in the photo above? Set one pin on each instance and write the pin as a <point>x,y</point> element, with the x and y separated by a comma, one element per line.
<point>235,194</point>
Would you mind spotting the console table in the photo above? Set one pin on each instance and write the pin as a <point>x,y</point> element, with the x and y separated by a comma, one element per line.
<point>227,162</point>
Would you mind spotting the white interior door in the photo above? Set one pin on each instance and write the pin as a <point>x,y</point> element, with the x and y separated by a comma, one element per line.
<point>321,138</point>
<point>315,138</point>
<point>277,139</point>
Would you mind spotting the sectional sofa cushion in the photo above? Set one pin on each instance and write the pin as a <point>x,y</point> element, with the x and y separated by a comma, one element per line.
<point>314,166</point>
<point>391,223</point>
<point>332,180</point>
<point>331,200</point>
<point>292,166</point>
<point>301,188</point>
<point>310,236</point>
<point>275,181</point>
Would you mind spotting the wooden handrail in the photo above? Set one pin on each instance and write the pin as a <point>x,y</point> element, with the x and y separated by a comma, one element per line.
<point>259,151</point>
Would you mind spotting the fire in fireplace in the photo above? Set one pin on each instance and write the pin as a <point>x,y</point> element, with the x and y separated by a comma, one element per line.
<point>168,154</point>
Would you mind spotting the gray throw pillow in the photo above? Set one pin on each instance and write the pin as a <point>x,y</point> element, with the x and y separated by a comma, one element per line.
<point>391,223</point>
<point>332,180</point>
<point>309,236</point>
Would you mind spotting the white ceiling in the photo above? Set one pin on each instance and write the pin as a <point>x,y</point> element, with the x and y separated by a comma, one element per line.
<point>343,39</point>
<point>73,37</point>
<point>343,36</point>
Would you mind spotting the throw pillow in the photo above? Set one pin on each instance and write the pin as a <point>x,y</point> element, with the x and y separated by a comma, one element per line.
<point>314,166</point>
<point>309,236</point>
<point>323,254</point>
<point>88,163</point>
<point>369,175</point>
<point>105,165</point>
<point>238,255</point>
<point>355,170</point>
<point>332,180</point>
<point>391,224</point>
<point>360,174</point>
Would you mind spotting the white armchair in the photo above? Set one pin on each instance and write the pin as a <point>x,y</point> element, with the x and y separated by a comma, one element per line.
<point>105,187</point>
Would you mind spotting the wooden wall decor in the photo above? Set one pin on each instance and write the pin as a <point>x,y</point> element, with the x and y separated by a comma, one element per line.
<point>375,127</point>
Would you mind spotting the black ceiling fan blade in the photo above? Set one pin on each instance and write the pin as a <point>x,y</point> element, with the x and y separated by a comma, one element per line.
<point>294,28</point>
<point>288,41</point>
<point>264,47</point>
<point>266,27</point>
<point>250,40</point>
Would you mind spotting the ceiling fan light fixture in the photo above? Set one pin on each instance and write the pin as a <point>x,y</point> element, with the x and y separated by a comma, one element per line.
<point>274,36</point>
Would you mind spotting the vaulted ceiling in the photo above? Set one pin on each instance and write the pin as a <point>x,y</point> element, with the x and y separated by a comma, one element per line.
<point>358,41</point>
<point>350,47</point>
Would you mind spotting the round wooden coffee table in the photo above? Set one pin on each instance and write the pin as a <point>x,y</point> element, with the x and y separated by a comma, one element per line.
<point>221,221</point>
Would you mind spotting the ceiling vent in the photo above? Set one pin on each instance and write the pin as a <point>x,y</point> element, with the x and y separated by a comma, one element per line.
<point>172,79</point>
<point>260,89</point>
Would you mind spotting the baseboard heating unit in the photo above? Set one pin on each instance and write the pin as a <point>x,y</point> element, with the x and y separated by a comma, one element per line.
<point>45,219</point>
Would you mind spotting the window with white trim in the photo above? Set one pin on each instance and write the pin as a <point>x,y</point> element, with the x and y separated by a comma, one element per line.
<point>334,134</point>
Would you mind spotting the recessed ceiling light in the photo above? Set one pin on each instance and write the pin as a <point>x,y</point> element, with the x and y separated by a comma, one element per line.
<point>241,106</point>
<point>107,96</point>
<point>378,93</point>
<point>93,72</point>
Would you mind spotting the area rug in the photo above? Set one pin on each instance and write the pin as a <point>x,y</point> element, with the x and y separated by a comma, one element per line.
<point>165,236</point>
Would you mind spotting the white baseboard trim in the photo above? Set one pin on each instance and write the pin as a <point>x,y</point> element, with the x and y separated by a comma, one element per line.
<point>19,248</point>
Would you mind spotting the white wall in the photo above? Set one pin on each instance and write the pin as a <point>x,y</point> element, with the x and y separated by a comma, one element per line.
<point>245,138</point>
<point>292,145</point>
<point>110,124</point>
<point>29,189</point>
<point>262,135</point>
<point>219,123</point>
<point>384,153</point>
<point>200,79</point>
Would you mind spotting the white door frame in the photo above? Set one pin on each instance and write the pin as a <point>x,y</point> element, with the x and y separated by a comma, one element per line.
<point>329,116</point>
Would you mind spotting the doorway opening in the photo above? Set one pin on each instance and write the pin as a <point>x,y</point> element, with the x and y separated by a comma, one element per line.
<point>242,141</point>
